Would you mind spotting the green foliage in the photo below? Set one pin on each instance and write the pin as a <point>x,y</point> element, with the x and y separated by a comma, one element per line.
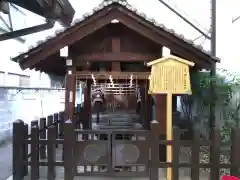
<point>226,102</point>
<point>201,88</point>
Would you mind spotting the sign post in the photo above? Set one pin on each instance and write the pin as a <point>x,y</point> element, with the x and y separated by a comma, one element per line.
<point>169,75</point>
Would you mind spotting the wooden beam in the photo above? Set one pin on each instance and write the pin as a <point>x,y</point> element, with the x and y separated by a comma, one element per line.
<point>115,56</point>
<point>81,63</point>
<point>70,85</point>
<point>116,45</point>
<point>116,66</point>
<point>76,33</point>
<point>116,48</point>
<point>114,74</point>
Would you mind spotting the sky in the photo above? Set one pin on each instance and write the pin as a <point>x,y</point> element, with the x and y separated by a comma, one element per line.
<point>197,11</point>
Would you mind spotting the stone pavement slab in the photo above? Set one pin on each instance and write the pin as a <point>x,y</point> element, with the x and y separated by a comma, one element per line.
<point>5,161</point>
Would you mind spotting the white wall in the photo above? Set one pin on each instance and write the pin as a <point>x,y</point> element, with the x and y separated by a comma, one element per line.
<point>26,105</point>
<point>9,49</point>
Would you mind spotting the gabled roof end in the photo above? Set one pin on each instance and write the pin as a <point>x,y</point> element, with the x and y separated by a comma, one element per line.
<point>184,61</point>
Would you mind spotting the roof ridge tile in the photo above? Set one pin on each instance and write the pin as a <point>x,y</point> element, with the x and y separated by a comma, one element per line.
<point>100,7</point>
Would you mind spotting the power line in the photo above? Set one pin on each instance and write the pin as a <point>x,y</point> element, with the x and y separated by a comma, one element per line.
<point>198,37</point>
<point>196,22</point>
<point>212,110</point>
<point>185,19</point>
<point>235,19</point>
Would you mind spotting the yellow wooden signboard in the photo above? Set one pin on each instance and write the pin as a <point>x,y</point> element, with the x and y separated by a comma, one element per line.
<point>170,75</point>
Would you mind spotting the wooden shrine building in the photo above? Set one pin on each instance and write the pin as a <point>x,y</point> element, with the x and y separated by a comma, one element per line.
<point>114,40</point>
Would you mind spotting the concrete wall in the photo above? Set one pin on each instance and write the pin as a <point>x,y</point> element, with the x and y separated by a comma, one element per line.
<point>26,106</point>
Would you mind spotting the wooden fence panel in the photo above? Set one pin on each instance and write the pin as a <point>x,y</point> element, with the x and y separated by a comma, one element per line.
<point>195,155</point>
<point>215,154</point>
<point>56,120</point>
<point>18,142</point>
<point>49,120</point>
<point>34,152</point>
<point>69,162</point>
<point>42,134</point>
<point>154,162</point>
<point>51,152</point>
<point>37,140</point>
<point>34,123</point>
<point>61,124</point>
<point>25,150</point>
<point>175,153</point>
<point>235,150</point>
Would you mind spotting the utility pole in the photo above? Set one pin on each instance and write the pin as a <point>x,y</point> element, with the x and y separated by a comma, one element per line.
<point>212,122</point>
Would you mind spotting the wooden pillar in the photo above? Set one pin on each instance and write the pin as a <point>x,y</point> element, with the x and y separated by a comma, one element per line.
<point>161,117</point>
<point>70,91</point>
<point>148,106</point>
<point>175,115</point>
<point>161,100</point>
<point>161,111</point>
<point>87,122</point>
<point>174,103</point>
<point>143,110</point>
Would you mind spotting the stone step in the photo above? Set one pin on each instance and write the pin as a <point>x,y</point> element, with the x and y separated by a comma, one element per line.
<point>115,120</point>
<point>115,126</point>
<point>120,121</point>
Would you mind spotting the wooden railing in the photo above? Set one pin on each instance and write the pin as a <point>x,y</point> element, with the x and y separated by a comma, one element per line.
<point>33,143</point>
<point>49,128</point>
<point>44,140</point>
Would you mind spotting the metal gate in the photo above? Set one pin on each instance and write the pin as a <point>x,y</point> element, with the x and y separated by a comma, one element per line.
<point>112,153</point>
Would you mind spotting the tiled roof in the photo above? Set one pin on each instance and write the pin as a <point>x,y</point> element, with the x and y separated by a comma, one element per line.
<point>101,6</point>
